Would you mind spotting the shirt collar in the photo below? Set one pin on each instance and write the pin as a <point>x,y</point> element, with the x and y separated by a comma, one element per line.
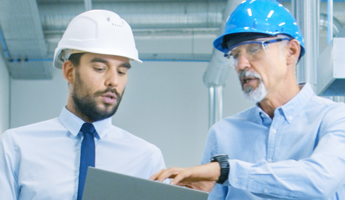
<point>291,109</point>
<point>73,123</point>
<point>261,116</point>
<point>296,104</point>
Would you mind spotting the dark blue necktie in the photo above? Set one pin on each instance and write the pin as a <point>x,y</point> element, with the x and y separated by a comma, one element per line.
<point>87,155</point>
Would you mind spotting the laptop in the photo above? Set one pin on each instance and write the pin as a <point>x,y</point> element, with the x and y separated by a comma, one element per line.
<point>101,184</point>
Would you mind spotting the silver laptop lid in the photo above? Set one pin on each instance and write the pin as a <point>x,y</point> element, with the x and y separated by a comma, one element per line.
<point>101,184</point>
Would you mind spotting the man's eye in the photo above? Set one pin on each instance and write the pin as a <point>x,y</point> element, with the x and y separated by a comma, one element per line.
<point>254,48</point>
<point>234,55</point>
<point>122,72</point>
<point>99,69</point>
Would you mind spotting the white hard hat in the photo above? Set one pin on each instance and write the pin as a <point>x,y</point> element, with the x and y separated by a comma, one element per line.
<point>97,31</point>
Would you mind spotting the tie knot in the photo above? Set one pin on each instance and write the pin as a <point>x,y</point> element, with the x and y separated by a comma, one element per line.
<point>87,128</point>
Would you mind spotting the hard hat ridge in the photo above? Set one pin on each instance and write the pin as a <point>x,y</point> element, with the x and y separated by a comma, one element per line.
<point>97,31</point>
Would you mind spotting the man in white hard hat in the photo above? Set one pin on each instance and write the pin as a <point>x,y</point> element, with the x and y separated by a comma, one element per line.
<point>291,143</point>
<point>49,159</point>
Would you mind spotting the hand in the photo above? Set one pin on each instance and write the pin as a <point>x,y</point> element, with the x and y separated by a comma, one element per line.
<point>202,177</point>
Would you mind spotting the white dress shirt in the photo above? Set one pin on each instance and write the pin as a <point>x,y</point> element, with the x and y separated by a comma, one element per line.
<point>41,161</point>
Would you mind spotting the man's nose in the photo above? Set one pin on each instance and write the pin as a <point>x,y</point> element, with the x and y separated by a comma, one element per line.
<point>242,62</point>
<point>112,78</point>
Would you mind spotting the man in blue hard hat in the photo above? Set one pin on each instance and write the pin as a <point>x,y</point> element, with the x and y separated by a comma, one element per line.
<point>291,144</point>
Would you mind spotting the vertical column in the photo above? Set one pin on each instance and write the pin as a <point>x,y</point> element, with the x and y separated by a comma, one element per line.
<point>330,21</point>
<point>215,104</point>
<point>307,14</point>
<point>88,5</point>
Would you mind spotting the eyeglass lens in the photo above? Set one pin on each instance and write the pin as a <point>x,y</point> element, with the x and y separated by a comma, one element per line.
<point>251,51</point>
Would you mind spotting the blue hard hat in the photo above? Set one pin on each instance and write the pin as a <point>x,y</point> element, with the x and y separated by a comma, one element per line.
<point>256,19</point>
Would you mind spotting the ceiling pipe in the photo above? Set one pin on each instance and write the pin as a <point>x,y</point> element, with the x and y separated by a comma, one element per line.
<point>4,45</point>
<point>140,15</point>
<point>217,73</point>
<point>144,60</point>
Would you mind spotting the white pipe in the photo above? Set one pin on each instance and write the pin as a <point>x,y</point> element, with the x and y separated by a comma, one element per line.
<point>307,16</point>
<point>211,106</point>
<point>215,104</point>
<point>311,30</point>
<point>330,21</point>
<point>88,5</point>
<point>298,11</point>
<point>218,103</point>
<point>217,72</point>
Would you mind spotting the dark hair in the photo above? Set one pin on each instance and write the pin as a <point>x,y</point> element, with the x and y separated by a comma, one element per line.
<point>75,58</point>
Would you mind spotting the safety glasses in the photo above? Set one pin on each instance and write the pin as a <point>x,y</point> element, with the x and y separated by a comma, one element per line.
<point>251,50</point>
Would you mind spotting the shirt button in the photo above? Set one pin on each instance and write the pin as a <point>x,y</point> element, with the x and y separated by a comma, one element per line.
<point>270,160</point>
<point>262,115</point>
<point>265,190</point>
<point>273,131</point>
<point>235,179</point>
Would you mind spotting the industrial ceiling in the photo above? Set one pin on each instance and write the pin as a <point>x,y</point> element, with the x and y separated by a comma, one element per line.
<point>30,29</point>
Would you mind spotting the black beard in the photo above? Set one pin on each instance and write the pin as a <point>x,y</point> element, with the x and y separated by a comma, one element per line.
<point>86,105</point>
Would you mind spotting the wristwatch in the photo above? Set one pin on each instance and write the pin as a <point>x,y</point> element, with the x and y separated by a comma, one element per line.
<point>222,159</point>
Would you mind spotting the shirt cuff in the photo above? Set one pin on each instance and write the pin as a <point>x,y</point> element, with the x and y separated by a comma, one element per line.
<point>238,175</point>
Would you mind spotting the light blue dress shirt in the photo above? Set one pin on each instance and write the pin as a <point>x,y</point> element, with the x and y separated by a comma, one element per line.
<point>41,161</point>
<point>299,154</point>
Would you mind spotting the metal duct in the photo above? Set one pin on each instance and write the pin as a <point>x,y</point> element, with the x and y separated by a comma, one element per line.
<point>31,31</point>
<point>331,71</point>
<point>341,33</point>
<point>147,19</point>
<point>24,38</point>
<point>338,10</point>
<point>140,14</point>
<point>217,73</point>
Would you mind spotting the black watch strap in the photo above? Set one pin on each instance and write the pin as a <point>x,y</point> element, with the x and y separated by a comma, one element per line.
<point>223,161</point>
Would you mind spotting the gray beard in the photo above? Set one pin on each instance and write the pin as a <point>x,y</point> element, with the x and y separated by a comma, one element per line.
<point>250,94</point>
<point>256,95</point>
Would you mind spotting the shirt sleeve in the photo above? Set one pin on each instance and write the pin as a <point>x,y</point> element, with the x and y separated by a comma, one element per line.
<point>316,177</point>
<point>159,163</point>
<point>219,191</point>
<point>8,179</point>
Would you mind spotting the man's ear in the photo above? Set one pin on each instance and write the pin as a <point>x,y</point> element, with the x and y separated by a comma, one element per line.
<point>68,71</point>
<point>294,50</point>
